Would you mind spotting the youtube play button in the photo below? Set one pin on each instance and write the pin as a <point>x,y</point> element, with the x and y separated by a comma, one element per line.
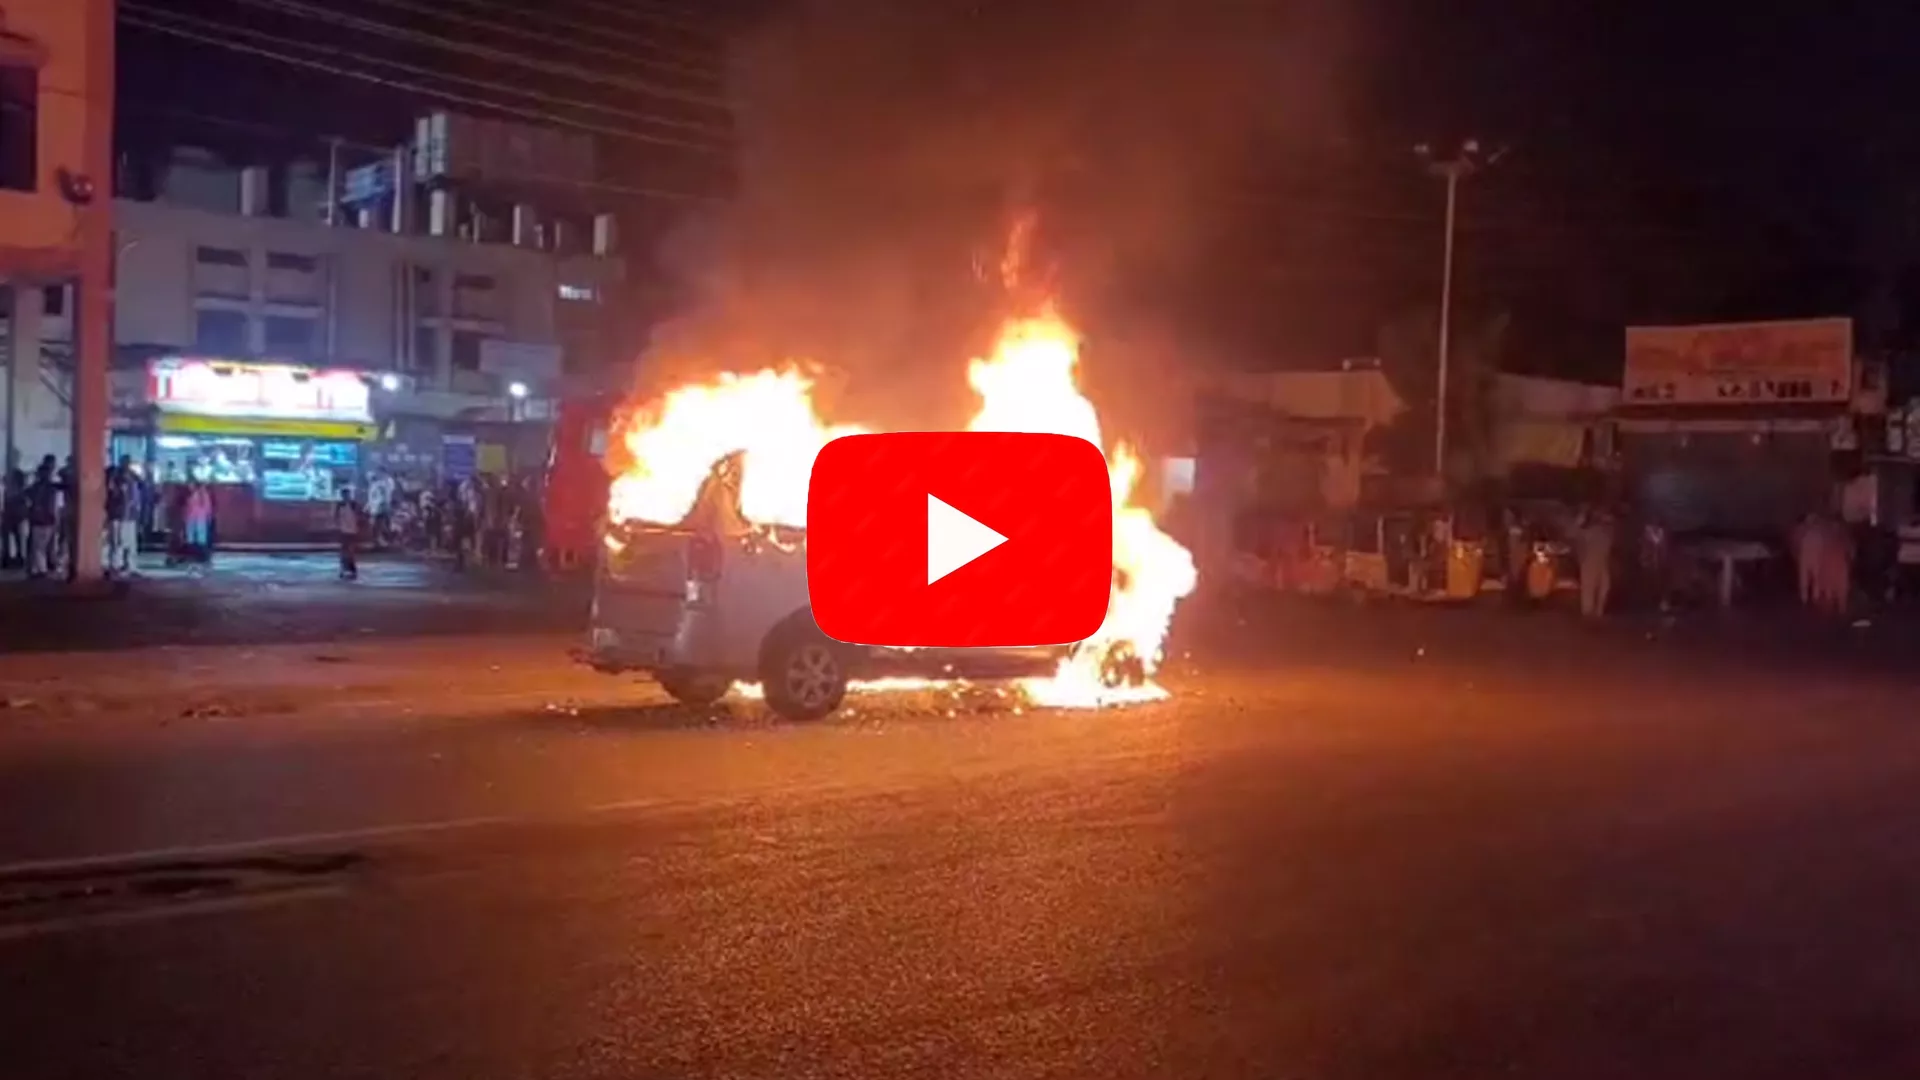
<point>954,539</point>
<point>960,539</point>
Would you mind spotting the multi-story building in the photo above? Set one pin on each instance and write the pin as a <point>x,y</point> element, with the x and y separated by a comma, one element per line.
<point>55,58</point>
<point>250,301</point>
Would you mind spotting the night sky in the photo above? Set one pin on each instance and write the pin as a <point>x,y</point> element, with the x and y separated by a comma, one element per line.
<point>1236,178</point>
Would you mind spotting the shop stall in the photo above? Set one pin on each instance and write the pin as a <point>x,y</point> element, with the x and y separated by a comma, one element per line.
<point>275,442</point>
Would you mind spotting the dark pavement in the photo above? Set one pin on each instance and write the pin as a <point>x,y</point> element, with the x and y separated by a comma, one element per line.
<point>249,598</point>
<point>1393,844</point>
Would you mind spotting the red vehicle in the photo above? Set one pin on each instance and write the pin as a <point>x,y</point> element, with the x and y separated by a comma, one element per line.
<point>577,481</point>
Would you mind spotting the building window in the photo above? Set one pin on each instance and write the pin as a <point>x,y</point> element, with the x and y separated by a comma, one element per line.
<point>213,256</point>
<point>19,128</point>
<point>218,332</point>
<point>292,336</point>
<point>579,292</point>
<point>466,349</point>
<point>56,301</point>
<point>426,348</point>
<point>280,260</point>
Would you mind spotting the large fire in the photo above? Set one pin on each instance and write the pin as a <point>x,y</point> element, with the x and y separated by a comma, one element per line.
<point>672,446</point>
<point>1026,384</point>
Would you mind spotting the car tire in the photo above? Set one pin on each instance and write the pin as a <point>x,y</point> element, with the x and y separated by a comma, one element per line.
<point>803,673</point>
<point>694,687</point>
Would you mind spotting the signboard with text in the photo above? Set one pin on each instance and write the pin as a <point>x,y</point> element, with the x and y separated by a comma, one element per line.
<point>1799,362</point>
<point>273,391</point>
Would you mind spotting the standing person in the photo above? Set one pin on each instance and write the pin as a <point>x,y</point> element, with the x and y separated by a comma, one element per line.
<point>380,507</point>
<point>43,519</point>
<point>67,541</point>
<point>13,521</point>
<point>461,509</point>
<point>1514,545</point>
<point>1807,558</point>
<point>431,505</point>
<point>123,517</point>
<point>174,497</point>
<point>1872,546</point>
<point>494,513</point>
<point>532,528</point>
<point>1595,541</point>
<point>346,523</point>
<point>1834,566</point>
<point>199,521</point>
<point>1655,563</point>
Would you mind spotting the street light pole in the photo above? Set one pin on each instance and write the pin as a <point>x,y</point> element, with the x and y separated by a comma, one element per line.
<point>1453,174</point>
<point>1469,158</point>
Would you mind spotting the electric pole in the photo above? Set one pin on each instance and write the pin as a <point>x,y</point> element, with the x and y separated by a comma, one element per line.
<point>1469,157</point>
<point>90,192</point>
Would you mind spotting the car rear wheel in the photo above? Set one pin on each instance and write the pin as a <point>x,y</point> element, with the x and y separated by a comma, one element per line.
<point>694,687</point>
<point>802,673</point>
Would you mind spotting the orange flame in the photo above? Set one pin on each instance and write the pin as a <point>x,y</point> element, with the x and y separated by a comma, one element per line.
<point>768,416</point>
<point>1027,384</point>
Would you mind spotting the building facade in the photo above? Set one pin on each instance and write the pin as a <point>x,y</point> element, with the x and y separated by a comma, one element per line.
<point>56,88</point>
<point>244,296</point>
<point>247,297</point>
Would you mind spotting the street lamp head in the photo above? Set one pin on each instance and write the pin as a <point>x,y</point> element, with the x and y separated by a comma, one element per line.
<point>1470,147</point>
<point>1423,151</point>
<point>518,389</point>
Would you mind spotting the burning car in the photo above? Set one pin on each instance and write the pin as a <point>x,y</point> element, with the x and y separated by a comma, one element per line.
<point>702,581</point>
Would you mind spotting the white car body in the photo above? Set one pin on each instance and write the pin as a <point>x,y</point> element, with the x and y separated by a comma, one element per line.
<point>716,600</point>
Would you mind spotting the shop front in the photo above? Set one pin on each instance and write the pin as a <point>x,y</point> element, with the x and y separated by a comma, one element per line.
<point>275,443</point>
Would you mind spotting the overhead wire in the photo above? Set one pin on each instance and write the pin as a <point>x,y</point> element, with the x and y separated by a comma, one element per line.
<point>378,150</point>
<point>138,8</point>
<point>708,75</point>
<point>653,13</point>
<point>299,9</point>
<point>423,89</point>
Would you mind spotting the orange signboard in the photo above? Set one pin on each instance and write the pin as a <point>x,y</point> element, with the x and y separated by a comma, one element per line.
<point>1800,361</point>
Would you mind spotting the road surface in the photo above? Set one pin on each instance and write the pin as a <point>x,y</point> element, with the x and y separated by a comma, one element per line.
<point>1353,845</point>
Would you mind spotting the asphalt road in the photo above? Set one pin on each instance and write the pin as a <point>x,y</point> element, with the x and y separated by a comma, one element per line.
<point>249,598</point>
<point>1412,845</point>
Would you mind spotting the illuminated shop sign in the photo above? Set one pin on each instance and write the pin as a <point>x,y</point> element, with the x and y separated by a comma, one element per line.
<point>279,391</point>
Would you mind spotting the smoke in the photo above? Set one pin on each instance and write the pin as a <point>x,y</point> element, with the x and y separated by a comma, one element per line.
<point>885,148</point>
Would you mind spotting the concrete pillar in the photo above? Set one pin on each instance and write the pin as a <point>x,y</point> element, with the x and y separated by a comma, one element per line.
<point>93,311</point>
<point>443,276</point>
<point>441,210</point>
<point>23,369</point>
<point>526,226</point>
<point>402,221</point>
<point>256,191</point>
<point>606,234</point>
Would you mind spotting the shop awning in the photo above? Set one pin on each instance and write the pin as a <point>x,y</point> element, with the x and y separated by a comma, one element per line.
<point>241,425</point>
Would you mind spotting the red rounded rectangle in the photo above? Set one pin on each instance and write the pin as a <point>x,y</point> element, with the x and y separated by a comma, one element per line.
<point>960,539</point>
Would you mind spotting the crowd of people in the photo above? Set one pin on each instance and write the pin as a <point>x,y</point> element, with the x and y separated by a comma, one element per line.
<point>39,526</point>
<point>479,521</point>
<point>482,520</point>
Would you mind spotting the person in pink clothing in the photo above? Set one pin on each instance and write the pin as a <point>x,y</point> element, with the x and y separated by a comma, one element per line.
<point>199,522</point>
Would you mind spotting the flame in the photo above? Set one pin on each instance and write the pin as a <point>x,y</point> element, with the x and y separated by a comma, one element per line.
<point>1028,384</point>
<point>672,446</point>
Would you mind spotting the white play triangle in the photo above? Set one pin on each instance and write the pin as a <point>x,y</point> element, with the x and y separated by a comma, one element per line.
<point>954,539</point>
